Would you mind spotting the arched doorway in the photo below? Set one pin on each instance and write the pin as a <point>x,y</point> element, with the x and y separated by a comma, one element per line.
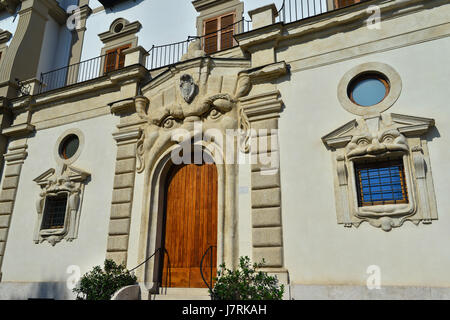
<point>190,224</point>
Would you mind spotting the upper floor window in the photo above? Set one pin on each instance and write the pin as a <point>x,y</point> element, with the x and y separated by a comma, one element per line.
<point>115,59</point>
<point>218,33</point>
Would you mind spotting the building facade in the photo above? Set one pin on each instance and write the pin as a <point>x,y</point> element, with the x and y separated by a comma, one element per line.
<point>311,134</point>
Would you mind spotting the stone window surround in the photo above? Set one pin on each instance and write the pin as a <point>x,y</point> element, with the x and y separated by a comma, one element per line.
<point>400,136</point>
<point>394,81</point>
<point>62,180</point>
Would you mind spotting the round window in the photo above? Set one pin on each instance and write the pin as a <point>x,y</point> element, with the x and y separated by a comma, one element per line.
<point>69,146</point>
<point>118,27</point>
<point>368,89</point>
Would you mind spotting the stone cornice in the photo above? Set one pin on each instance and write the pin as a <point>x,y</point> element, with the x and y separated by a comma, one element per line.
<point>201,5</point>
<point>331,21</point>
<point>128,28</point>
<point>130,135</point>
<point>260,35</point>
<point>193,63</point>
<point>122,106</point>
<point>410,126</point>
<point>20,130</point>
<point>110,80</point>
<point>5,35</point>
<point>262,106</point>
<point>268,72</point>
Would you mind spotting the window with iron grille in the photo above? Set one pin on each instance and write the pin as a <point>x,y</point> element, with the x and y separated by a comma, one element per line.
<point>381,183</point>
<point>54,211</point>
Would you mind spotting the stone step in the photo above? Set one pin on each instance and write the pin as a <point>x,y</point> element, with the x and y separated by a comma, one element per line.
<point>178,297</point>
<point>181,294</point>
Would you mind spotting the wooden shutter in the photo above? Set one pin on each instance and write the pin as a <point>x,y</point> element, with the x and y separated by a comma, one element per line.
<point>344,3</point>
<point>110,60</point>
<point>210,42</point>
<point>121,56</point>
<point>226,36</point>
<point>115,59</point>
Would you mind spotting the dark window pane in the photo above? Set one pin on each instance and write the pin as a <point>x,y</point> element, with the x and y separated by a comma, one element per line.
<point>69,146</point>
<point>54,212</point>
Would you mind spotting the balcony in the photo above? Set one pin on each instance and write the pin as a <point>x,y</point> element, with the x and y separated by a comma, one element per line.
<point>165,55</point>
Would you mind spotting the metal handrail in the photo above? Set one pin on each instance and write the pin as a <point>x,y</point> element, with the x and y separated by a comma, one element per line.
<point>294,10</point>
<point>211,268</point>
<point>140,264</point>
<point>169,54</point>
<point>75,73</point>
<point>161,251</point>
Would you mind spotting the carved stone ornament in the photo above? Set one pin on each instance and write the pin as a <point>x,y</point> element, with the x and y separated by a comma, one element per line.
<point>64,180</point>
<point>187,88</point>
<point>378,138</point>
<point>217,111</point>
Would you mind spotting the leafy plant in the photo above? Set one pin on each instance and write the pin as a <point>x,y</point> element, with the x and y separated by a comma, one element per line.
<point>245,283</point>
<point>101,284</point>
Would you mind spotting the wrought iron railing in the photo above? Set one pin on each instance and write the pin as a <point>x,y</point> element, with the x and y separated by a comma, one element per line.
<point>212,268</point>
<point>160,56</point>
<point>169,54</point>
<point>294,10</point>
<point>78,72</point>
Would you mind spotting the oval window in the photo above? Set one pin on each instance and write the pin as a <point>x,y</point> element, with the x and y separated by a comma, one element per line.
<point>118,27</point>
<point>368,89</point>
<point>69,146</point>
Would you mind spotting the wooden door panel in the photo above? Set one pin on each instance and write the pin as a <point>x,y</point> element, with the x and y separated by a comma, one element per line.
<point>190,223</point>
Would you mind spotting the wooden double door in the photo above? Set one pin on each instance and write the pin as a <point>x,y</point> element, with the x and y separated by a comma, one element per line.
<point>190,225</point>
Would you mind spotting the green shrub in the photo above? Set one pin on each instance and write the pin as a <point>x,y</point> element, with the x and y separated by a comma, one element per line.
<point>245,283</point>
<point>101,284</point>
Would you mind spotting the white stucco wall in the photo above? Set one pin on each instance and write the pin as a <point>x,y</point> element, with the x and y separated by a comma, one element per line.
<point>27,262</point>
<point>318,250</point>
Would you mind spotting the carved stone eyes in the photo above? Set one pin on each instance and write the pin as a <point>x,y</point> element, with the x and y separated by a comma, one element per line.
<point>388,139</point>
<point>363,142</point>
<point>168,123</point>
